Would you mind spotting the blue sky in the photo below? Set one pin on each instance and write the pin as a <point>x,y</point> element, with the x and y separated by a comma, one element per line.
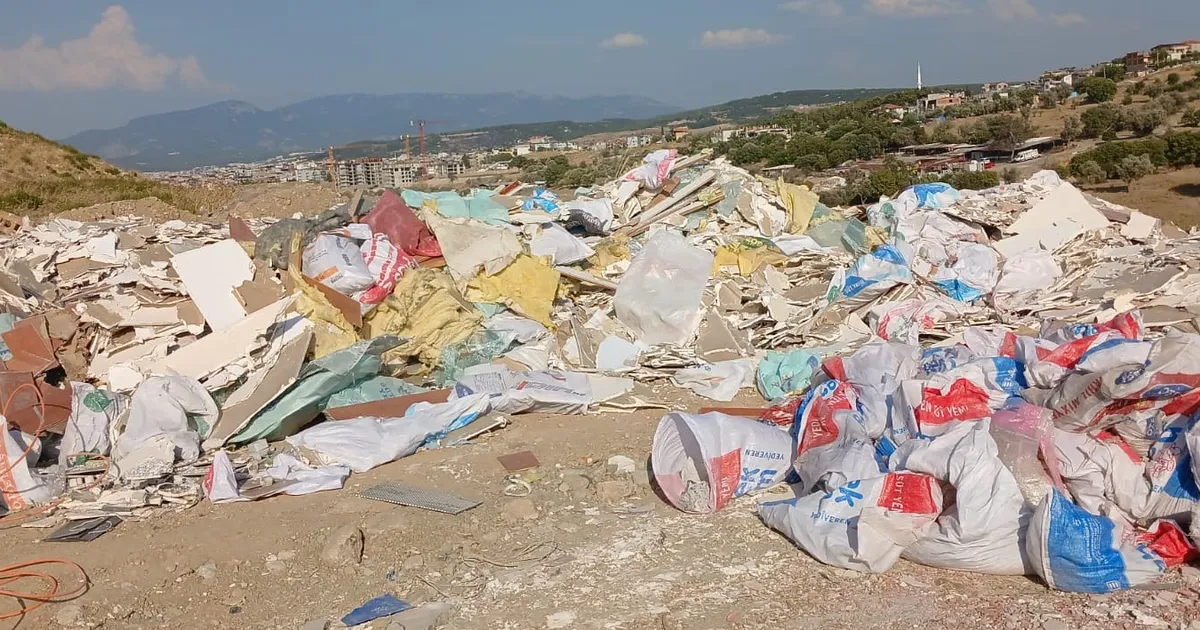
<point>69,66</point>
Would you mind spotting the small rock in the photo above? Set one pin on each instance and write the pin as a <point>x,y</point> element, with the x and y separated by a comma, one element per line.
<point>613,491</point>
<point>1055,624</point>
<point>275,566</point>
<point>520,509</point>
<point>427,617</point>
<point>68,615</point>
<point>562,619</point>
<point>1144,619</point>
<point>621,465</point>
<point>286,556</point>
<point>344,546</point>
<point>575,484</point>
<point>316,624</point>
<point>207,571</point>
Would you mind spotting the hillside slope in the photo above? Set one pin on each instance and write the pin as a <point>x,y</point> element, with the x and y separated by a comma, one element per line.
<point>27,156</point>
<point>236,131</point>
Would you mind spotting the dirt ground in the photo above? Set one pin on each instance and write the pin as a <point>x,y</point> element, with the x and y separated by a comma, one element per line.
<point>1172,195</point>
<point>588,548</point>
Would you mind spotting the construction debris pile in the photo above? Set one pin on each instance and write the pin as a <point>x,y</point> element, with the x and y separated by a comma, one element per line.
<point>159,364</point>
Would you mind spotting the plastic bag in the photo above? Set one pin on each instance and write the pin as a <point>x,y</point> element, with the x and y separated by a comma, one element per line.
<point>92,413</point>
<point>337,263</point>
<point>874,274</point>
<point>864,525</point>
<point>542,199</point>
<point>782,373</point>
<point>21,486</point>
<point>1126,325</point>
<point>655,170</point>
<point>833,447</point>
<point>718,381</point>
<point>1024,439</point>
<point>594,216</point>
<point>659,296</point>
<point>903,321</point>
<point>393,218</point>
<point>560,245</point>
<point>175,407</point>
<point>983,530</point>
<point>307,479</point>
<point>364,443</point>
<point>548,391</point>
<point>220,484</point>
<point>480,348</point>
<point>933,196</point>
<point>972,276</point>
<point>701,462</point>
<point>1078,552</point>
<point>1031,270</point>
<point>387,264</point>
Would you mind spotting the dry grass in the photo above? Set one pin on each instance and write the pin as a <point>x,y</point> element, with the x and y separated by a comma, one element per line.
<point>1170,195</point>
<point>39,176</point>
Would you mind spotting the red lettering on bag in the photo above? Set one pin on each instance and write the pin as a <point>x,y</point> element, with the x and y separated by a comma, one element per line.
<point>725,471</point>
<point>963,401</point>
<point>908,493</point>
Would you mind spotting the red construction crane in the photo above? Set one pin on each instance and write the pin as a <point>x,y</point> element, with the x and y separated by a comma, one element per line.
<point>421,135</point>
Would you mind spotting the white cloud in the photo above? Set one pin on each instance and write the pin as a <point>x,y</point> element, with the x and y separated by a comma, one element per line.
<point>917,8</point>
<point>1025,11</point>
<point>108,56</point>
<point>739,38</point>
<point>1067,19</point>
<point>827,8</point>
<point>624,40</point>
<point>1013,10</point>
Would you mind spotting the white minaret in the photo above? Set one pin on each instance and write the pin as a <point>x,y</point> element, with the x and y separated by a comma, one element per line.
<point>919,86</point>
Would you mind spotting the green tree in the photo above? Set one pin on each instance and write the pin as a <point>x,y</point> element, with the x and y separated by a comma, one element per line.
<point>1183,149</point>
<point>1090,172</point>
<point>944,132</point>
<point>1133,168</point>
<point>1173,78</point>
<point>1190,118</point>
<point>1099,121</point>
<point>1138,87</point>
<point>1008,131</point>
<point>1098,89</point>
<point>1154,90</point>
<point>1128,100</point>
<point>1145,120</point>
<point>1072,129</point>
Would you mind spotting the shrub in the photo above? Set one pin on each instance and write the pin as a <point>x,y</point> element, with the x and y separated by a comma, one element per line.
<point>1090,172</point>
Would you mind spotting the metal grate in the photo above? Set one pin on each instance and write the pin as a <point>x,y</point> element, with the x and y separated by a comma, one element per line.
<point>409,496</point>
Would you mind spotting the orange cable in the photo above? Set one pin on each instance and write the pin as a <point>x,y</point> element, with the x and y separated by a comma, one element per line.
<point>50,593</point>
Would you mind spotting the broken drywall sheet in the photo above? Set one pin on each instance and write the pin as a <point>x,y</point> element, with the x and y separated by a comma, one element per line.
<point>1059,217</point>
<point>217,350</point>
<point>210,274</point>
<point>1140,227</point>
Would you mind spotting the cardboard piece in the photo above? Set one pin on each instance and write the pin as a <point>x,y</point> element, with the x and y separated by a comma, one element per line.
<point>260,389</point>
<point>151,316</point>
<point>516,462</point>
<point>24,410</point>
<point>350,307</point>
<point>239,230</point>
<point>210,274</point>
<point>388,407</point>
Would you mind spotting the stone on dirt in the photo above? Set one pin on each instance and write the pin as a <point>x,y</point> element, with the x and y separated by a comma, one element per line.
<point>343,547</point>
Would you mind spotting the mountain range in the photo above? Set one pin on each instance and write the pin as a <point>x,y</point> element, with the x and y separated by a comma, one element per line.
<point>236,131</point>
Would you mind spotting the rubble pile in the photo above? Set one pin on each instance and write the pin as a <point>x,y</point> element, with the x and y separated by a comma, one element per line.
<point>941,403</point>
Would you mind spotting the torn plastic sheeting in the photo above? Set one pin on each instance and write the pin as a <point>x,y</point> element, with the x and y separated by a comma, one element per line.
<point>560,245</point>
<point>717,381</point>
<point>177,408</point>
<point>655,169</point>
<point>451,205</point>
<point>306,479</point>
<point>800,203</point>
<point>659,296</point>
<point>220,483</point>
<point>427,312</point>
<point>1078,552</point>
<point>21,486</point>
<point>905,320</point>
<point>364,443</point>
<point>480,348</point>
<point>864,525</point>
<point>547,391</point>
<point>528,286</point>
<point>702,462</point>
<point>782,373</point>
<point>833,447</point>
<point>372,389</point>
<point>387,263</point>
<point>1128,325</point>
<point>393,218</point>
<point>470,246</point>
<point>792,244</point>
<point>749,254</point>
<point>933,196</point>
<point>542,199</point>
<point>523,329</point>
<point>303,401</point>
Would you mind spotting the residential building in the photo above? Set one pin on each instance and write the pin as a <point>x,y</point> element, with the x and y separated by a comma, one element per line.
<point>940,100</point>
<point>310,172</point>
<point>897,112</point>
<point>993,88</point>
<point>522,149</point>
<point>364,172</point>
<point>679,133</point>
<point>1137,63</point>
<point>1165,53</point>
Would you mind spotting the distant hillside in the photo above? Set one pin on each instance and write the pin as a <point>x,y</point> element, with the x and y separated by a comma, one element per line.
<point>28,156</point>
<point>739,111</point>
<point>236,131</point>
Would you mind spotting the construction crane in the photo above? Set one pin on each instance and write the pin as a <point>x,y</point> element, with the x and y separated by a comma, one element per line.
<point>420,124</point>
<point>331,164</point>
